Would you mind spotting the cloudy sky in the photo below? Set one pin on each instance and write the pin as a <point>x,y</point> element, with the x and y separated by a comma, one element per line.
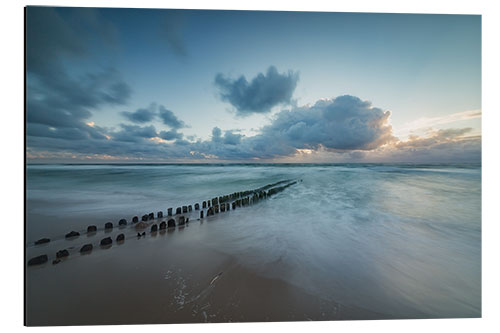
<point>138,85</point>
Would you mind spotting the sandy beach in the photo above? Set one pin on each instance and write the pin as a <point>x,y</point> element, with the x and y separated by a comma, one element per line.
<point>365,242</point>
<point>165,277</point>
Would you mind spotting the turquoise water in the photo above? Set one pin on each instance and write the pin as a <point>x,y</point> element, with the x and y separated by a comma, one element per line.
<point>403,240</point>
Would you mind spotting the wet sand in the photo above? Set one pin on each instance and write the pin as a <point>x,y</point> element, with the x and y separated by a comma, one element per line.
<point>166,277</point>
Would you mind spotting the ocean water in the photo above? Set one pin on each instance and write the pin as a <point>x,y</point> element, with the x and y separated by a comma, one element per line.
<point>402,240</point>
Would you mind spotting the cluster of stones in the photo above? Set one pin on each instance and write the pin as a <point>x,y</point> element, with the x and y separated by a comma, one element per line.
<point>214,206</point>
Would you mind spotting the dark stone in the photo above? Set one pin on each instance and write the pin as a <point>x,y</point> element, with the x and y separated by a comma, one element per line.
<point>120,238</point>
<point>135,219</point>
<point>154,228</point>
<point>204,205</point>
<point>42,241</point>
<point>122,222</point>
<point>160,215</point>
<point>178,210</point>
<point>222,208</point>
<point>184,209</point>
<point>56,261</point>
<point>169,211</point>
<point>72,234</point>
<point>171,223</point>
<point>151,216</point>
<point>38,260</point>
<point>190,208</point>
<point>201,214</point>
<point>143,234</point>
<point>62,254</point>
<point>196,206</point>
<point>163,225</point>
<point>91,228</point>
<point>108,225</point>
<point>106,241</point>
<point>234,205</point>
<point>145,217</point>
<point>138,235</point>
<point>208,203</point>
<point>86,248</point>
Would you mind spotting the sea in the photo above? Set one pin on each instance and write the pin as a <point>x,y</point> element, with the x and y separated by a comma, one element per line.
<point>399,239</point>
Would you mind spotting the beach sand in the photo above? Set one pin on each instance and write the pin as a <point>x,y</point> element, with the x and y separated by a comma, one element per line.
<point>165,277</point>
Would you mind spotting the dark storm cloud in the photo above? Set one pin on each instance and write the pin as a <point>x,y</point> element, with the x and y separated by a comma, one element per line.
<point>343,123</point>
<point>134,133</point>
<point>59,102</point>
<point>141,115</point>
<point>169,118</point>
<point>259,95</point>
<point>216,134</point>
<point>231,138</point>
<point>170,135</point>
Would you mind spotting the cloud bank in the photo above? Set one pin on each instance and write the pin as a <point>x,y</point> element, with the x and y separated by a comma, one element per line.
<point>261,94</point>
<point>340,129</point>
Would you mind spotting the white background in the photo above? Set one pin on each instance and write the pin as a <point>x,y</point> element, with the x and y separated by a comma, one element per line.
<point>12,150</point>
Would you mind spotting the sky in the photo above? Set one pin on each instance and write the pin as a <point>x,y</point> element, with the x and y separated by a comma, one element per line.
<point>156,85</point>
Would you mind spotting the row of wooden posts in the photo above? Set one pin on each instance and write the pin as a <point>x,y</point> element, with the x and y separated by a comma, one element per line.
<point>213,206</point>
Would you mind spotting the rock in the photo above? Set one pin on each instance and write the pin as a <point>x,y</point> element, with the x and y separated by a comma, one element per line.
<point>154,228</point>
<point>171,223</point>
<point>122,222</point>
<point>120,238</point>
<point>86,248</point>
<point>135,219</point>
<point>62,254</point>
<point>38,260</point>
<point>178,210</point>
<point>143,234</point>
<point>184,209</point>
<point>108,226</point>
<point>91,229</point>
<point>106,241</point>
<point>56,261</point>
<point>145,217</point>
<point>138,235</point>
<point>72,234</point>
<point>151,216</point>
<point>169,211</point>
<point>160,215</point>
<point>196,206</point>
<point>163,225</point>
<point>42,241</point>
